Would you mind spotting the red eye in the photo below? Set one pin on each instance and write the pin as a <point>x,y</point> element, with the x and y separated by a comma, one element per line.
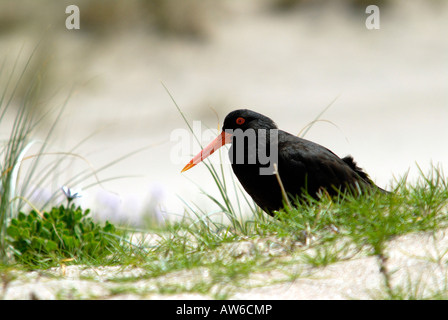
<point>240,120</point>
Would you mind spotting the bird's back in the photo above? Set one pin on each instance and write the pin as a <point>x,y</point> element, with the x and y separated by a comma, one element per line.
<point>304,167</point>
<point>308,166</point>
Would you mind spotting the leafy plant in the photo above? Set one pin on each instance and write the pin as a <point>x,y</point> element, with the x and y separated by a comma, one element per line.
<point>23,172</point>
<point>61,233</point>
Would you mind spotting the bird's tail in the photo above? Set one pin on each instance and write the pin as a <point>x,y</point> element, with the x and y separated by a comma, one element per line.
<point>364,176</point>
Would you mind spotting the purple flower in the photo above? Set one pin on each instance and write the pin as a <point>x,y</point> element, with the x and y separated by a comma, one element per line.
<point>71,194</point>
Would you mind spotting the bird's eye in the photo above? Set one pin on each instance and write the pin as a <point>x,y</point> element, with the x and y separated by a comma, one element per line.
<point>240,120</point>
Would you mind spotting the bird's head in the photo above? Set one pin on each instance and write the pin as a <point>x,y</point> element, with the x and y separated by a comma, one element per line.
<point>243,119</point>
<point>247,119</point>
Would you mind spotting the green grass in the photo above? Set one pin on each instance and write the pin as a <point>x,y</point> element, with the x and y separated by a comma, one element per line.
<point>219,260</point>
<point>13,150</point>
<point>312,235</point>
<point>329,231</point>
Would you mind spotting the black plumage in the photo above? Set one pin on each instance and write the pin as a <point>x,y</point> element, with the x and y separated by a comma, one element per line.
<point>304,167</point>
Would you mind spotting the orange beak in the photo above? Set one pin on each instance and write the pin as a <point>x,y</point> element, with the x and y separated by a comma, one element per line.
<point>220,140</point>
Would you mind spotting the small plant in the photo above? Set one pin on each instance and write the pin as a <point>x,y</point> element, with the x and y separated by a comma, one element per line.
<point>23,172</point>
<point>61,233</point>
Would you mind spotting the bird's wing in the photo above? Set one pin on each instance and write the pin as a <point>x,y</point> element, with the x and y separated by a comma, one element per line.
<point>316,165</point>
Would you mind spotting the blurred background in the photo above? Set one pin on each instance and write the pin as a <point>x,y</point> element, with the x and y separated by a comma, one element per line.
<point>287,59</point>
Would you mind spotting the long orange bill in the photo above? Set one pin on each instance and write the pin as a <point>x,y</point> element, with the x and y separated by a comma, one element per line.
<point>220,140</point>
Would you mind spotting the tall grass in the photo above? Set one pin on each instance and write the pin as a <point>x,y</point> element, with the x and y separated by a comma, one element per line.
<point>14,149</point>
<point>19,181</point>
<point>22,172</point>
<point>232,207</point>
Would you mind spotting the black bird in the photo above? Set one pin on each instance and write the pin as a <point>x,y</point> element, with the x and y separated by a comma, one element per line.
<point>304,167</point>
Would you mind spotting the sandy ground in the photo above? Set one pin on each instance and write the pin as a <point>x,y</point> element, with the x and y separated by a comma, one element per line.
<point>417,264</point>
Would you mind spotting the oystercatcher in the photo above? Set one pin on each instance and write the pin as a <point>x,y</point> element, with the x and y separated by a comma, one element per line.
<point>258,148</point>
